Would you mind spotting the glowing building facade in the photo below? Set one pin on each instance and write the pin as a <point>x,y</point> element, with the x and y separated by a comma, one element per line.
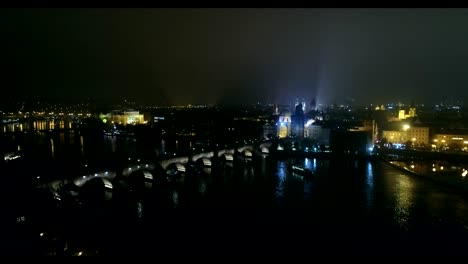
<point>416,135</point>
<point>284,125</point>
<point>125,117</point>
<point>451,141</point>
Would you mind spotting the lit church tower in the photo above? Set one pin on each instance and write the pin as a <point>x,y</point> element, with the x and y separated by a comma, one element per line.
<point>313,105</point>
<point>298,122</point>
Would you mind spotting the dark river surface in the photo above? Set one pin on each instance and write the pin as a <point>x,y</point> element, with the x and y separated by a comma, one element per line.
<point>348,208</point>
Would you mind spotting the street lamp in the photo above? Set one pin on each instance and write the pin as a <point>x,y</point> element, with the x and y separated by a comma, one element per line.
<point>406,127</point>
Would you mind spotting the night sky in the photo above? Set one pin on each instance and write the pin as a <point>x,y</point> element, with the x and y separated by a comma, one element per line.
<point>198,56</point>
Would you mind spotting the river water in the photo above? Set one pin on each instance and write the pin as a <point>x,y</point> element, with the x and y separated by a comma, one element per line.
<point>349,207</point>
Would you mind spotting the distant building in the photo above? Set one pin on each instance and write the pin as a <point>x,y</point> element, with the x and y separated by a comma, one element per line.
<point>317,133</point>
<point>401,114</point>
<point>416,135</point>
<point>454,140</point>
<point>298,122</point>
<point>411,113</point>
<point>301,102</point>
<point>350,142</point>
<point>313,105</point>
<point>369,126</point>
<point>269,130</point>
<point>125,117</point>
<point>284,125</point>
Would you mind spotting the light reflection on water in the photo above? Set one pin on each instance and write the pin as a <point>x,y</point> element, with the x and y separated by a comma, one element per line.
<point>175,198</point>
<point>37,125</point>
<point>139,209</point>
<point>202,187</point>
<point>370,186</point>
<point>280,186</point>
<point>82,146</point>
<point>403,201</point>
<point>379,186</point>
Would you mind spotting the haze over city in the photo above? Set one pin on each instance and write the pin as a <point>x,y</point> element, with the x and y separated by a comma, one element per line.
<point>230,56</point>
<point>149,132</point>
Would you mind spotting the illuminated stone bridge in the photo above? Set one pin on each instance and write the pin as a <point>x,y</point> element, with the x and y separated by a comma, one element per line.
<point>206,158</point>
<point>178,163</point>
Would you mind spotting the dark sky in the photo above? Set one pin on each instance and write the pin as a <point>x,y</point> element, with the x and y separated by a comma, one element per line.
<point>181,56</point>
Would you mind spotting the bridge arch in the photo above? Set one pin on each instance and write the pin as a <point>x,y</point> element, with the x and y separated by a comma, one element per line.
<point>143,167</point>
<point>204,162</point>
<point>207,155</point>
<point>96,189</point>
<point>248,152</point>
<point>228,156</point>
<point>80,181</point>
<point>166,163</point>
<point>265,150</point>
<point>141,179</point>
<point>176,166</point>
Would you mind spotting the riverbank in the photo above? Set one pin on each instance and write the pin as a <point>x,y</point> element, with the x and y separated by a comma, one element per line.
<point>459,182</point>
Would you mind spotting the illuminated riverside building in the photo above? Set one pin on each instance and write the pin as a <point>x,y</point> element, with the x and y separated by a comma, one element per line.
<point>123,117</point>
<point>451,141</point>
<point>416,135</point>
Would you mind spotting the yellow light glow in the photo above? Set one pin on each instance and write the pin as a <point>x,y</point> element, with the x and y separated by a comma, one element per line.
<point>435,140</point>
<point>433,169</point>
<point>406,127</point>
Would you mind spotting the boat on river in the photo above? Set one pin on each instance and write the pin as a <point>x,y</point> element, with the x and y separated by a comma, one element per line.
<point>300,170</point>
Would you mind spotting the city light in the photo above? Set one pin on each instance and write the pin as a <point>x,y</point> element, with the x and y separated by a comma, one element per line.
<point>406,127</point>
